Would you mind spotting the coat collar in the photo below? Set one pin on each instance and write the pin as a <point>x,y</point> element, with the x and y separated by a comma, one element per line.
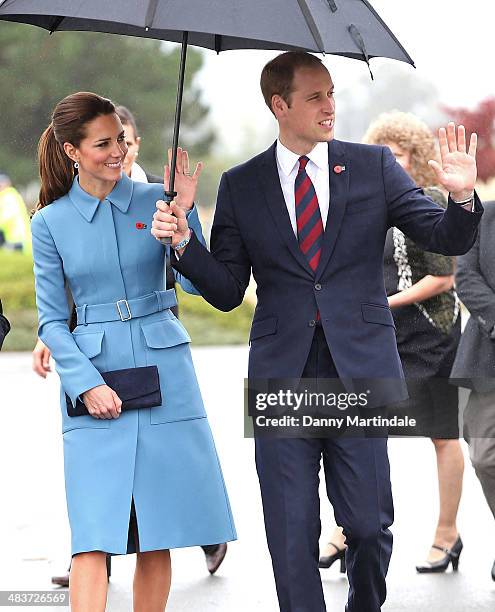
<point>86,204</point>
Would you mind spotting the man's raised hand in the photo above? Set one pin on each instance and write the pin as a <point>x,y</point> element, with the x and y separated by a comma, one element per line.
<point>457,171</point>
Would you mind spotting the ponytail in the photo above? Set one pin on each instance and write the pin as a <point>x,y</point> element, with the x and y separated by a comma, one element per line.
<point>56,169</point>
<point>69,121</point>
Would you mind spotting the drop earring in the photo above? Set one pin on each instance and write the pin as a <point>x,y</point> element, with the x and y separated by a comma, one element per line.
<point>76,165</point>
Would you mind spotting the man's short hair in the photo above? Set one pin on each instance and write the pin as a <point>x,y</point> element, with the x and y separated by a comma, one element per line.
<point>278,75</point>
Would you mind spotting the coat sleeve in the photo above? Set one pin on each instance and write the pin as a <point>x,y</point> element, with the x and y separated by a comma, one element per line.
<point>76,371</point>
<point>448,232</point>
<point>473,290</point>
<point>221,276</point>
<point>195,225</point>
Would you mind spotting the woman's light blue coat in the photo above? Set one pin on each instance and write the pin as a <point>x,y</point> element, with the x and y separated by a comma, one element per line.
<point>163,458</point>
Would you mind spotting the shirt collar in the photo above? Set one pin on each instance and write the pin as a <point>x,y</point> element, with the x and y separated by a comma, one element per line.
<point>86,204</point>
<point>288,160</point>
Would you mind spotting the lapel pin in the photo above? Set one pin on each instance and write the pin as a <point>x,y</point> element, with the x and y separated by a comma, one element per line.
<point>140,225</point>
<point>339,169</point>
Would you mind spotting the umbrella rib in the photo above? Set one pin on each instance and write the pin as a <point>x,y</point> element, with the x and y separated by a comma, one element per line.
<point>332,5</point>
<point>303,5</point>
<point>358,39</point>
<point>56,24</point>
<point>392,35</point>
<point>150,14</point>
<point>218,43</point>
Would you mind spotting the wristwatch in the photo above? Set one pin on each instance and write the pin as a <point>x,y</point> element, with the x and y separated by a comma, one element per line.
<point>182,243</point>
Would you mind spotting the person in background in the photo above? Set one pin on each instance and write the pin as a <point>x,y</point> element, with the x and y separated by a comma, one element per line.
<point>14,219</point>
<point>4,325</point>
<point>474,365</point>
<point>215,553</point>
<point>420,289</point>
<point>133,142</point>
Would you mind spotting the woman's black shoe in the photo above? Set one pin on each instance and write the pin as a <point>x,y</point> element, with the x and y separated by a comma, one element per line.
<point>493,571</point>
<point>326,562</point>
<point>451,556</point>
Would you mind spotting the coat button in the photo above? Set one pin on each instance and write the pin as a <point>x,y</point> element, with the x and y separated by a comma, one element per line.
<point>318,287</point>
<point>312,323</point>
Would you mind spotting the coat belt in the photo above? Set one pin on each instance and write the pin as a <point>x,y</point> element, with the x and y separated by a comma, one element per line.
<point>125,310</point>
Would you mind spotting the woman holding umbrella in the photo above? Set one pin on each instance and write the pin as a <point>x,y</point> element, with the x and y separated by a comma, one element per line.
<point>143,480</point>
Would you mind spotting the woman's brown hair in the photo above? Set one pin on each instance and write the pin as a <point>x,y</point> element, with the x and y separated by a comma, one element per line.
<point>69,120</point>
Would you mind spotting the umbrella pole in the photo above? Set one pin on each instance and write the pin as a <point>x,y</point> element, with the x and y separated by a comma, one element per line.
<point>170,194</point>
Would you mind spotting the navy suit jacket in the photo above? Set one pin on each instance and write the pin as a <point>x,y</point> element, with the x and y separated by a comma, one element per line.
<point>252,232</point>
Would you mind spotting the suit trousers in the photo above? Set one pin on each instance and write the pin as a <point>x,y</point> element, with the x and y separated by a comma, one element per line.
<point>479,433</point>
<point>358,486</point>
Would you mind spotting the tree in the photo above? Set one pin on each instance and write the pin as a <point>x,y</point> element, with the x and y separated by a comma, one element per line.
<point>482,121</point>
<point>37,70</point>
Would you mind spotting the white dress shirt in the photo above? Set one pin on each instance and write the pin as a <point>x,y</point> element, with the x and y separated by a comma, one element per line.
<point>317,170</point>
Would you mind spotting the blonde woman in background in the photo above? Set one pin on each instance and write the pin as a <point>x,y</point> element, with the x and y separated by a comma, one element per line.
<point>420,289</point>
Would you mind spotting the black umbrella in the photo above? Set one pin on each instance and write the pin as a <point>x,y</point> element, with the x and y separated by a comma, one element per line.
<point>351,28</point>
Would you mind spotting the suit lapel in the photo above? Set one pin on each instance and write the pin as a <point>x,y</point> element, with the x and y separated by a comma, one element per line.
<point>274,196</point>
<point>339,188</point>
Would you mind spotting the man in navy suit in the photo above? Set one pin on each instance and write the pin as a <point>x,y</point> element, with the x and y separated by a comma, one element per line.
<point>308,217</point>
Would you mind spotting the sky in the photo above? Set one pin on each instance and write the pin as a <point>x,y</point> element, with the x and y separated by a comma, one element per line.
<point>451,42</point>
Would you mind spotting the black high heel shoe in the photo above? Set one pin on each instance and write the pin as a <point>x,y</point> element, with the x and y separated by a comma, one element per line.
<point>326,562</point>
<point>451,556</point>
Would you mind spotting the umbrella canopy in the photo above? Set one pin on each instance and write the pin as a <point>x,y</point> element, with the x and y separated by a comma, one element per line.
<point>341,27</point>
<point>351,28</point>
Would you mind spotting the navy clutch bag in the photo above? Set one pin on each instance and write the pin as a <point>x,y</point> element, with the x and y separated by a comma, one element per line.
<point>136,387</point>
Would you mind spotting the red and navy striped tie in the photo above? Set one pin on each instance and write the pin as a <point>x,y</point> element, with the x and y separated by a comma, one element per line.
<point>308,216</point>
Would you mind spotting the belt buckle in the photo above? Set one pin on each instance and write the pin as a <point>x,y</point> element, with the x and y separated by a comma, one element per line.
<point>122,318</point>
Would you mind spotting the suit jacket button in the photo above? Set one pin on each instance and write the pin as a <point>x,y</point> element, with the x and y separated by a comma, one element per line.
<point>312,323</point>
<point>318,287</point>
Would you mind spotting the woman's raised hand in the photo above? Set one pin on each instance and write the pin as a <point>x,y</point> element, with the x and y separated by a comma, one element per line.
<point>185,183</point>
<point>102,402</point>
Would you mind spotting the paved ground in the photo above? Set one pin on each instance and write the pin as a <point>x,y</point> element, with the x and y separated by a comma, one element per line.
<point>34,531</point>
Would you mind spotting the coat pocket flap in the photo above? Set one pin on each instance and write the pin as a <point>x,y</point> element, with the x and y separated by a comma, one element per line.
<point>265,327</point>
<point>89,343</point>
<point>374,313</point>
<point>164,333</point>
